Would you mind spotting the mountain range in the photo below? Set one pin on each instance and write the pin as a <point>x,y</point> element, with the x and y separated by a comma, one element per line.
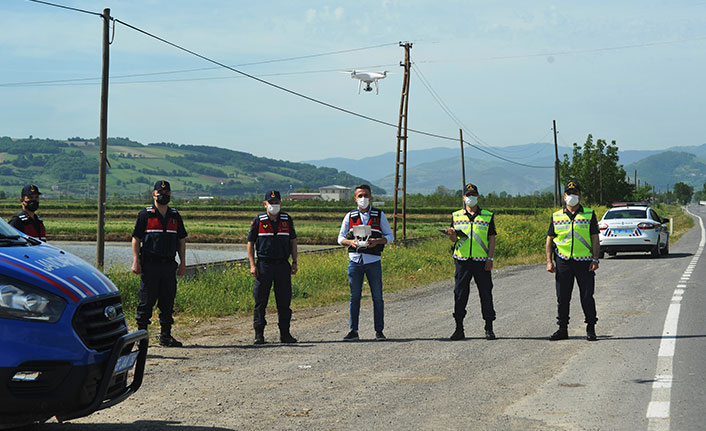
<point>430,168</point>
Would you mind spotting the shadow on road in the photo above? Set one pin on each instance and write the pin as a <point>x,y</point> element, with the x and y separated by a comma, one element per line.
<point>135,426</point>
<point>649,337</point>
<point>638,256</point>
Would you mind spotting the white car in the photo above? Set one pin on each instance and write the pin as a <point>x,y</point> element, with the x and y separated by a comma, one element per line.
<point>633,227</point>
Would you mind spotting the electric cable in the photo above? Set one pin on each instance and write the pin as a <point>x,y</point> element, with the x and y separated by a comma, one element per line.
<point>446,109</point>
<point>67,7</point>
<point>569,52</point>
<point>83,81</point>
<point>279,87</point>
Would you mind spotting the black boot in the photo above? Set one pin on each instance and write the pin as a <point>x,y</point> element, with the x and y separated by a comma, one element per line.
<point>591,332</point>
<point>489,334</point>
<point>458,333</point>
<point>286,337</point>
<point>259,336</point>
<point>561,334</point>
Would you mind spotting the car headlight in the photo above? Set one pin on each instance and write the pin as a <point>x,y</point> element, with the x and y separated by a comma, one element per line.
<point>22,301</point>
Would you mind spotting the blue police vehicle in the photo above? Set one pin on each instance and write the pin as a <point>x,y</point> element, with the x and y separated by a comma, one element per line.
<point>65,350</point>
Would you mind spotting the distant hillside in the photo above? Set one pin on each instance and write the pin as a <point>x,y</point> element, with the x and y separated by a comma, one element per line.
<point>670,167</point>
<point>429,169</point>
<point>70,168</point>
<point>382,167</point>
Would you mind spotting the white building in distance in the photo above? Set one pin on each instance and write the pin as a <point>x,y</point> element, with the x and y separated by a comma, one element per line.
<point>335,193</point>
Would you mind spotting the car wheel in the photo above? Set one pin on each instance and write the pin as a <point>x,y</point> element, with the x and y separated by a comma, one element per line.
<point>655,250</point>
<point>612,253</point>
<point>665,250</point>
<point>601,254</point>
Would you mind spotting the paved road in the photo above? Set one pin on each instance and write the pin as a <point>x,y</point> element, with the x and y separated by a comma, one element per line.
<point>417,380</point>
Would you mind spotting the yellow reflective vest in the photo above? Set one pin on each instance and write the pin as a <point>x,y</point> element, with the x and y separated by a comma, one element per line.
<point>573,237</point>
<point>473,243</point>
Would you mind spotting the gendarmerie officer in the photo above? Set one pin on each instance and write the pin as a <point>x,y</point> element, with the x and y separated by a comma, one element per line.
<point>27,221</point>
<point>272,234</point>
<point>572,240</point>
<point>473,233</point>
<point>158,236</point>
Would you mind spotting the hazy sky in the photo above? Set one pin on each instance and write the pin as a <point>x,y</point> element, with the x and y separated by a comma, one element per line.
<point>631,71</point>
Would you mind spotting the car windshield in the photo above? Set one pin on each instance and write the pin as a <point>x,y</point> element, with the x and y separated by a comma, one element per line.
<point>7,230</point>
<point>626,213</point>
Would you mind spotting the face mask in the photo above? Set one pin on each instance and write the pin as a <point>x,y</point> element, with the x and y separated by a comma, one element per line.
<point>32,205</point>
<point>163,199</point>
<point>571,200</point>
<point>363,202</point>
<point>273,209</point>
<point>471,201</point>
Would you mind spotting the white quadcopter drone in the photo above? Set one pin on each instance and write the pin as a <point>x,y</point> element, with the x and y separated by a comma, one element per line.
<point>368,78</point>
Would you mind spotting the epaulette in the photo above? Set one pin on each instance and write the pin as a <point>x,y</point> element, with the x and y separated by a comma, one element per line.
<point>149,209</point>
<point>354,213</point>
<point>173,210</point>
<point>262,216</point>
<point>22,217</point>
<point>374,212</point>
<point>284,216</point>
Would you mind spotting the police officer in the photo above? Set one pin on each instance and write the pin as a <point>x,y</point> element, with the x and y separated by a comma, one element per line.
<point>364,260</point>
<point>27,221</point>
<point>473,233</point>
<point>158,236</point>
<point>573,241</point>
<point>272,234</point>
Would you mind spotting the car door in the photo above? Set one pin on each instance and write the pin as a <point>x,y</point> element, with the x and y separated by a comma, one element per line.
<point>663,230</point>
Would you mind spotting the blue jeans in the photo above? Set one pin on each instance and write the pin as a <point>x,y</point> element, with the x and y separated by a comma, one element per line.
<point>373,271</point>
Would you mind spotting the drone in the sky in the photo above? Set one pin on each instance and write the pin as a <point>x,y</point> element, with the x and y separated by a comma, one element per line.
<point>368,78</point>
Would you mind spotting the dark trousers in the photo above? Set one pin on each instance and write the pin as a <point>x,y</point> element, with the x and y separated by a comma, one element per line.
<point>465,271</point>
<point>281,275</point>
<point>157,285</point>
<point>566,272</point>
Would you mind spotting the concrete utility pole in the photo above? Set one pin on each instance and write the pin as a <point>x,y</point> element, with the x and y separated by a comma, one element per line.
<point>463,161</point>
<point>103,140</point>
<point>402,148</point>
<point>557,186</point>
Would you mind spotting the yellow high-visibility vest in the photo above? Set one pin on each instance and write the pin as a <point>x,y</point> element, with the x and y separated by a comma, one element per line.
<point>473,244</point>
<point>573,237</point>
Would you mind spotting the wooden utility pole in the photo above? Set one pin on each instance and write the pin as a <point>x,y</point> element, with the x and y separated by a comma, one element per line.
<point>635,182</point>
<point>557,186</point>
<point>463,161</point>
<point>401,159</point>
<point>103,140</point>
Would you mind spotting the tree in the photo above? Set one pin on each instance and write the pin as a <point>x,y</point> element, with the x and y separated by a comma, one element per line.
<point>683,192</point>
<point>592,162</point>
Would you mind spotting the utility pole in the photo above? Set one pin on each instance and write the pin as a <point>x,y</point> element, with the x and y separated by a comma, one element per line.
<point>557,186</point>
<point>463,160</point>
<point>103,140</point>
<point>401,159</point>
<point>635,182</point>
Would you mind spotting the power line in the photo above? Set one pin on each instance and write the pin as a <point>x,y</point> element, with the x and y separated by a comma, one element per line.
<point>279,87</point>
<point>83,81</point>
<point>446,109</point>
<point>569,52</point>
<point>67,7</point>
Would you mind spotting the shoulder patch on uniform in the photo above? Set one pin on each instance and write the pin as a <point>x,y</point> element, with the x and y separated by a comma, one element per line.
<point>173,210</point>
<point>149,209</point>
<point>284,216</point>
<point>263,216</point>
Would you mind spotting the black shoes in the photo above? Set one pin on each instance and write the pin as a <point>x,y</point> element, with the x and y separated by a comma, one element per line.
<point>169,341</point>
<point>351,336</point>
<point>259,337</point>
<point>286,337</point>
<point>379,336</point>
<point>458,335</point>
<point>490,335</point>
<point>591,332</point>
<point>560,334</point>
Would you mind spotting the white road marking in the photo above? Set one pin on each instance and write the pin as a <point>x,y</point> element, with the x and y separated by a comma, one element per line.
<point>658,410</point>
